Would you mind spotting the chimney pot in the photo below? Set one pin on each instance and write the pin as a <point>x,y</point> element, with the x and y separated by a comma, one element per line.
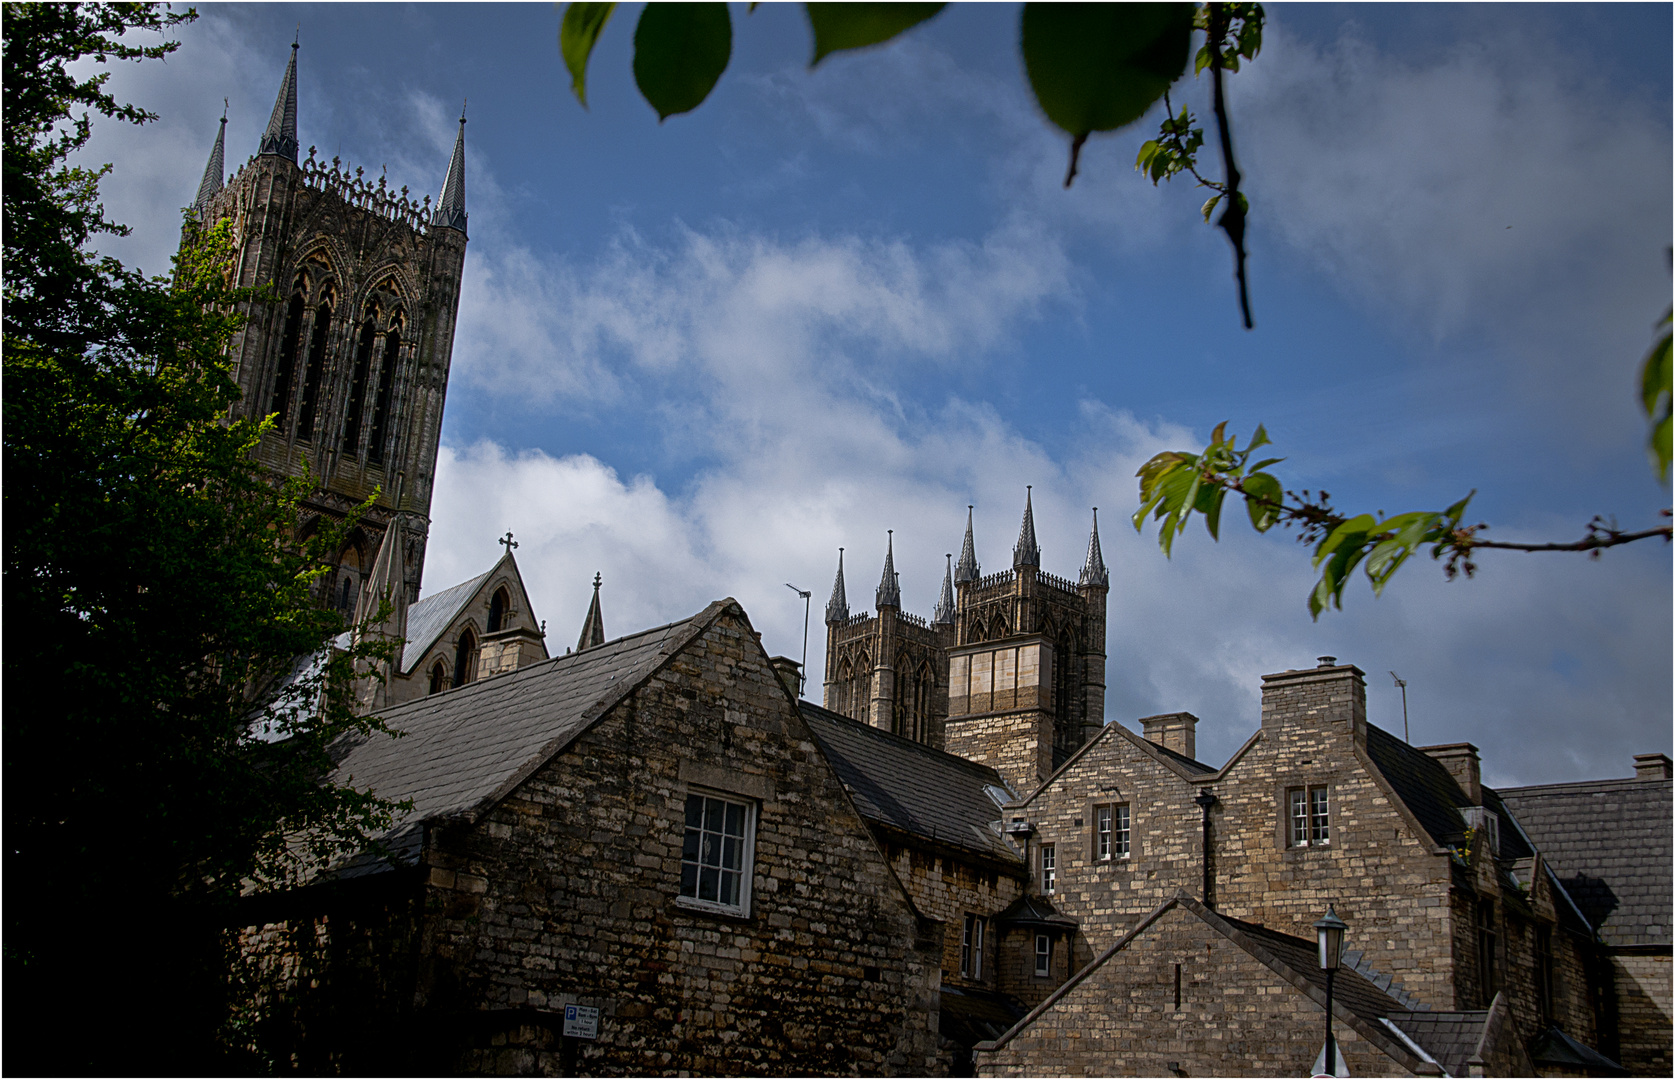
<point>1651,767</point>
<point>1327,661</point>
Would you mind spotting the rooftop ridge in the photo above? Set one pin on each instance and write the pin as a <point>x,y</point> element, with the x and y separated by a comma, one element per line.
<point>905,743</point>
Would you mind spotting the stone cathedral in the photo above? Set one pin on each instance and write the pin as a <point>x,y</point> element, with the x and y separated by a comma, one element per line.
<point>1009,670</point>
<point>352,359</point>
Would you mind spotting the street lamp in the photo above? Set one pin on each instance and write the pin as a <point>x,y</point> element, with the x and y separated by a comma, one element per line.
<point>1329,930</point>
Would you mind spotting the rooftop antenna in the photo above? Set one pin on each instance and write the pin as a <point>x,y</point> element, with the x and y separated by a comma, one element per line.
<point>802,672</point>
<point>1402,683</point>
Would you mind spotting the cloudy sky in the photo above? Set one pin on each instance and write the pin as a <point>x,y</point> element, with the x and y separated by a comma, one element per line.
<point>700,356</point>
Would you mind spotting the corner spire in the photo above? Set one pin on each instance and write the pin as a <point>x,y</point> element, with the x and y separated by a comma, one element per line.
<point>382,587</point>
<point>968,568</point>
<point>210,186</point>
<point>450,205</point>
<point>1027,553</point>
<point>944,615</point>
<point>280,139</point>
<point>889,589</point>
<point>1093,570</point>
<point>593,629</point>
<point>837,608</point>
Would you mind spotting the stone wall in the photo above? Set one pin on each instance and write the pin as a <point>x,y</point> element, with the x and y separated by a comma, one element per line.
<point>947,888</point>
<point>1019,746</point>
<point>1236,1017</point>
<point>568,892</point>
<point>1642,985</point>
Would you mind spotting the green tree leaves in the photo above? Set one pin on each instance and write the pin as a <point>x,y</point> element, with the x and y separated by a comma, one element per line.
<point>838,27</point>
<point>680,51</point>
<point>578,31</point>
<point>1655,399</point>
<point>1099,67</point>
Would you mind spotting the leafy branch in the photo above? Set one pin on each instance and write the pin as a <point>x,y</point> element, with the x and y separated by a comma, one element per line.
<point>1091,67</point>
<point>1174,485</point>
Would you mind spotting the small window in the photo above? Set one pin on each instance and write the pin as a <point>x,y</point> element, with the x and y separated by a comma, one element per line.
<point>1111,832</point>
<point>1043,955</point>
<point>1544,971</point>
<point>438,677</point>
<point>465,658</point>
<point>716,858</point>
<point>497,610</point>
<point>1102,831</point>
<point>971,947</point>
<point>1486,951</point>
<point>1310,817</point>
<point>1049,861</point>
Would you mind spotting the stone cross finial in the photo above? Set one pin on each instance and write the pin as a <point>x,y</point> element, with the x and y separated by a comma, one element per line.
<point>507,541</point>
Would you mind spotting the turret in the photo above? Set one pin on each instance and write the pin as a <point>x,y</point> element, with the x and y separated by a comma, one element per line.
<point>280,138</point>
<point>450,205</point>
<point>837,608</point>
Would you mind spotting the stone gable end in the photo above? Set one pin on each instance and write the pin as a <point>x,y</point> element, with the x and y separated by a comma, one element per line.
<point>568,892</point>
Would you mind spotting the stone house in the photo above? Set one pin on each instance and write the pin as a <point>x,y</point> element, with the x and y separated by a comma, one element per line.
<point>647,828</point>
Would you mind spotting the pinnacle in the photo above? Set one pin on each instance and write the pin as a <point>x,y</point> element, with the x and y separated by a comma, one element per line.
<point>1027,553</point>
<point>967,569</point>
<point>889,589</point>
<point>1093,569</point>
<point>837,608</point>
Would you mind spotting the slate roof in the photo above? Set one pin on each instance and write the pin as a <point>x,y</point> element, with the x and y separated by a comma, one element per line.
<point>1556,1050</point>
<point>1189,763</point>
<point>1035,911</point>
<point>462,750</point>
<point>1610,843</point>
<point>970,1016</point>
<point>1430,791</point>
<point>1449,1037</point>
<point>1349,986</point>
<point>430,616</point>
<point>911,787</point>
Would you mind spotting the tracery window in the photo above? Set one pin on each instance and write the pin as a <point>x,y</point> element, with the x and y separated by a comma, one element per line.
<point>386,384</point>
<point>357,387</point>
<point>315,370</point>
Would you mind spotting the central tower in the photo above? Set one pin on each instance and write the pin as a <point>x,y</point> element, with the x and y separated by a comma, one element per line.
<point>351,358</point>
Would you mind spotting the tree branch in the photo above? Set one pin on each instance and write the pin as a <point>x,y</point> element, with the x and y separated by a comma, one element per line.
<point>1232,220</point>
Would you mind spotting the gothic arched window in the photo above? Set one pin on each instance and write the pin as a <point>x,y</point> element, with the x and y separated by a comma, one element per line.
<point>438,677</point>
<point>316,367</point>
<point>357,388</point>
<point>465,658</point>
<point>288,346</point>
<point>923,703</point>
<point>498,607</point>
<point>386,384</point>
<point>1064,693</point>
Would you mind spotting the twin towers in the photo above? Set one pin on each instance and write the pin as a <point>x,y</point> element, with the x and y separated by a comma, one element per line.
<point>1008,671</point>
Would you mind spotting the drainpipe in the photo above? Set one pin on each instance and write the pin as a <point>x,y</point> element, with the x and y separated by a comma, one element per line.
<point>1205,800</point>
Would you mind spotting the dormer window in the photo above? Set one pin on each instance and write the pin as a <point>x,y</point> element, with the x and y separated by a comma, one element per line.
<point>1480,819</point>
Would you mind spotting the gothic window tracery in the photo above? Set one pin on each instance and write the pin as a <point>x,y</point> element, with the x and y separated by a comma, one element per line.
<point>289,344</point>
<point>386,383</point>
<point>357,384</point>
<point>316,366</point>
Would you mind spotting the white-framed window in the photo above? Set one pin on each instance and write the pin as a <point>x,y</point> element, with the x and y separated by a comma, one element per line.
<point>1119,833</point>
<point>1110,832</point>
<point>718,852</point>
<point>971,947</point>
<point>1049,867</point>
<point>1102,831</point>
<point>1309,816</point>
<point>1043,955</point>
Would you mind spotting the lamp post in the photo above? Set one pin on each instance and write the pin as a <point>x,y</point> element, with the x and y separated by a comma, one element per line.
<point>1329,930</point>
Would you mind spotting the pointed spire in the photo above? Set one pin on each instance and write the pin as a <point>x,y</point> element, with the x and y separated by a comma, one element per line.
<point>889,589</point>
<point>383,585</point>
<point>1093,570</point>
<point>944,615</point>
<point>1027,553</point>
<point>967,570</point>
<point>593,629</point>
<point>210,186</point>
<point>281,136</point>
<point>837,608</point>
<point>450,205</point>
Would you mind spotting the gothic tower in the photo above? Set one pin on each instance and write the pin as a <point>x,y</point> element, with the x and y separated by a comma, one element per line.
<point>351,356</point>
<point>1009,671</point>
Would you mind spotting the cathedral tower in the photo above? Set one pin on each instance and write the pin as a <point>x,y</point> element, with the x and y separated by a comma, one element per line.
<point>351,357</point>
<point>1009,671</point>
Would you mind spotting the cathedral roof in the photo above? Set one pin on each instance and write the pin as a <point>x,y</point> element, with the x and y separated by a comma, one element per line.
<point>280,138</point>
<point>462,751</point>
<point>427,619</point>
<point>914,789</point>
<point>450,205</point>
<point>214,171</point>
<point>1027,552</point>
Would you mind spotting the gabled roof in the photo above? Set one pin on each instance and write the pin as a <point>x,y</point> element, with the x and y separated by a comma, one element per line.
<point>1185,762</point>
<point>1035,911</point>
<point>1449,1037</point>
<point>1433,796</point>
<point>1609,842</point>
<point>1556,1050</point>
<point>460,752</point>
<point>430,616</point>
<point>913,788</point>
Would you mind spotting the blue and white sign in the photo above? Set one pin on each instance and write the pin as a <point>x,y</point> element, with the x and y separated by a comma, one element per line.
<point>581,1022</point>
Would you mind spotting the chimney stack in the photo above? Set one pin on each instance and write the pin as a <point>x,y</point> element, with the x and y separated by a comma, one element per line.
<point>789,672</point>
<point>1329,693</point>
<point>1460,759</point>
<point>1177,731</point>
<point>1651,767</point>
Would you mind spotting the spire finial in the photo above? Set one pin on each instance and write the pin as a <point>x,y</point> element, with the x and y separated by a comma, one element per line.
<point>211,184</point>
<point>1027,553</point>
<point>593,628</point>
<point>944,615</point>
<point>837,608</point>
<point>450,205</point>
<point>889,589</point>
<point>968,568</point>
<point>508,543</point>
<point>1093,568</point>
<point>280,138</point>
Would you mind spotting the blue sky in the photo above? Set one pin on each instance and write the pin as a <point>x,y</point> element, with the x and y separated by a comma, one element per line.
<point>699,356</point>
